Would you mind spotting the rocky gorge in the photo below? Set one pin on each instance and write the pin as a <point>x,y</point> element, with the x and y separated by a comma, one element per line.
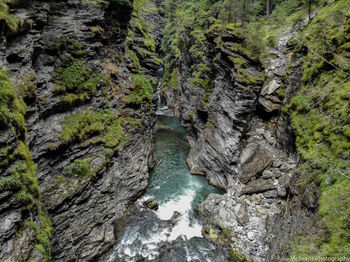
<point>241,144</point>
<point>79,122</point>
<point>80,86</point>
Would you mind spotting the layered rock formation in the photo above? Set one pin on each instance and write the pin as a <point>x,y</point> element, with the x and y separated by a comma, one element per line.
<point>242,144</point>
<point>77,114</point>
<point>88,134</point>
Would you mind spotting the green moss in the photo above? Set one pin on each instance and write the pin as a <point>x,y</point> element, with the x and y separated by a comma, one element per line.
<point>76,82</point>
<point>21,179</point>
<point>104,125</point>
<point>61,179</point>
<point>212,234</point>
<point>320,114</point>
<point>74,99</point>
<point>23,183</point>
<point>171,78</point>
<point>76,79</point>
<point>141,90</point>
<point>246,78</point>
<point>77,45</point>
<point>236,255</point>
<point>81,124</point>
<point>10,20</point>
<point>281,91</point>
<point>28,87</point>
<point>114,134</point>
<point>140,42</point>
<point>81,168</point>
<point>134,58</point>
<point>43,235</point>
<point>6,155</point>
<point>202,76</point>
<point>12,106</point>
<point>58,43</point>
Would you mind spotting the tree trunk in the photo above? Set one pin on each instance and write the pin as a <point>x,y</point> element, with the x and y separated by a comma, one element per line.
<point>309,9</point>
<point>219,10</point>
<point>229,17</point>
<point>245,11</point>
<point>268,8</point>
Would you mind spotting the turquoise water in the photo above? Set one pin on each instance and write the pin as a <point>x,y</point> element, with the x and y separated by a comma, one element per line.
<point>171,178</point>
<point>145,231</point>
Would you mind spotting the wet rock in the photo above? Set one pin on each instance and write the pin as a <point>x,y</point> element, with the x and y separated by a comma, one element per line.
<point>8,222</point>
<point>271,194</point>
<point>199,248</point>
<point>210,203</point>
<point>175,216</point>
<point>151,204</point>
<point>251,236</point>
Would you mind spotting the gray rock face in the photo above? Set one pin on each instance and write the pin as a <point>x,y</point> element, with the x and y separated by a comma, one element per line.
<point>83,209</point>
<point>257,161</point>
<point>241,145</point>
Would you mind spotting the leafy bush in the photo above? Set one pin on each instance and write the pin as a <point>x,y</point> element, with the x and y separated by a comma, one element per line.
<point>81,168</point>
<point>12,106</point>
<point>76,79</point>
<point>141,90</point>
<point>320,117</point>
<point>103,124</point>
<point>10,20</point>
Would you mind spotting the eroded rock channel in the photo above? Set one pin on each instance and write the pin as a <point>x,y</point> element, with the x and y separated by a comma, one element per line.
<point>92,169</point>
<point>173,230</point>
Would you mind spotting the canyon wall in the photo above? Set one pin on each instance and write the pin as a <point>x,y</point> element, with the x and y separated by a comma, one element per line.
<point>241,142</point>
<point>85,147</point>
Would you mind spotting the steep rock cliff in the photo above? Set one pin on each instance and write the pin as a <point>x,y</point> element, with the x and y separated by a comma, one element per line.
<point>239,139</point>
<point>87,136</point>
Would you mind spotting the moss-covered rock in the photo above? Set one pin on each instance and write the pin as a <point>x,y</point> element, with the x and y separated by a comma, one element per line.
<point>320,115</point>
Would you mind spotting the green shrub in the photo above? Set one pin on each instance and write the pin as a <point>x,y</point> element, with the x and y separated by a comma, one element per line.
<point>10,20</point>
<point>81,168</point>
<point>12,106</point>
<point>43,234</point>
<point>141,89</point>
<point>320,117</point>
<point>76,79</point>
<point>103,124</point>
<point>21,179</point>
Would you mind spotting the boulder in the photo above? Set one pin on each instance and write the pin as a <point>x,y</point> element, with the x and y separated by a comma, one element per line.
<point>151,204</point>
<point>258,186</point>
<point>255,164</point>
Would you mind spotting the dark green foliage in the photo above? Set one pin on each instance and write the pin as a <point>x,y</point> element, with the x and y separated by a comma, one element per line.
<point>192,20</point>
<point>76,82</point>
<point>320,116</point>
<point>21,179</point>
<point>10,20</point>
<point>76,79</point>
<point>28,87</point>
<point>191,32</point>
<point>141,90</point>
<point>43,234</point>
<point>81,168</point>
<point>104,125</point>
<point>140,45</point>
<point>140,29</point>
<point>12,106</point>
